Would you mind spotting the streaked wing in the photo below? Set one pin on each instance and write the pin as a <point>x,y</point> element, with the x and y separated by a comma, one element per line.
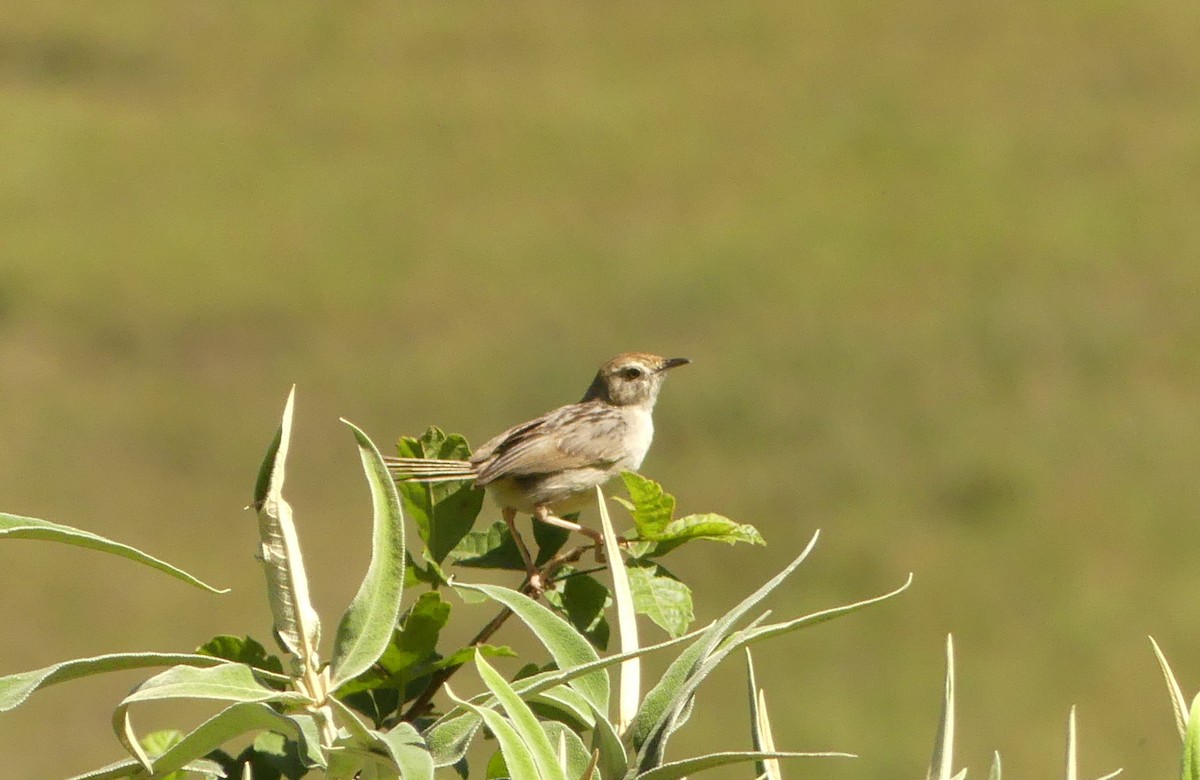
<point>570,437</point>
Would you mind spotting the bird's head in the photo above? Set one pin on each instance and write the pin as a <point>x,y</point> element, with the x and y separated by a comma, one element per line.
<point>631,379</point>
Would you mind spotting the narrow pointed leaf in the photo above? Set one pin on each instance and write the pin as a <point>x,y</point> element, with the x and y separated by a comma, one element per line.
<point>564,644</point>
<point>613,760</point>
<point>665,697</point>
<point>449,736</point>
<point>573,757</point>
<point>409,752</point>
<point>130,767</point>
<point>1072,756</point>
<point>1178,702</point>
<point>296,621</point>
<point>630,687</point>
<point>651,752</point>
<point>517,755</point>
<point>17,527</point>
<point>232,722</point>
<point>16,688</point>
<point>994,774</point>
<point>682,769</point>
<point>940,765</point>
<point>366,629</point>
<point>760,725</point>
<point>524,722</point>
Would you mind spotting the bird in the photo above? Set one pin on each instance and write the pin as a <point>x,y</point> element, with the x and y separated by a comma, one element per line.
<point>549,466</point>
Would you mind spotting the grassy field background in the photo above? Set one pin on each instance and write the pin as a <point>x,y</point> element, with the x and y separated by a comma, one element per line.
<point>937,266</point>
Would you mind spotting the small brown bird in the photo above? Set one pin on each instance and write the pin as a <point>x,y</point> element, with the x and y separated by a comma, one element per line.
<point>550,465</point>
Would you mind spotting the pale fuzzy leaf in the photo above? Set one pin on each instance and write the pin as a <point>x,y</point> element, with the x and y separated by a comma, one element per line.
<point>16,688</point>
<point>960,775</point>
<point>1072,755</point>
<point>230,723</point>
<point>567,701</point>
<point>994,774</point>
<point>664,698</point>
<point>630,686</point>
<point>565,645</point>
<point>760,726</point>
<point>573,758</point>
<point>367,627</point>
<point>677,770</point>
<point>1178,702</point>
<point>768,739</point>
<point>940,766</point>
<point>611,758</point>
<point>450,735</point>
<point>524,722</point>
<point>516,753</point>
<point>227,682</point>
<point>130,767</point>
<point>1111,775</point>
<point>17,527</point>
<point>296,621</point>
<point>651,751</point>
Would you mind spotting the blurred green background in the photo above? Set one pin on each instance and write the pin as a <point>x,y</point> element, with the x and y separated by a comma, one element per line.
<point>936,264</point>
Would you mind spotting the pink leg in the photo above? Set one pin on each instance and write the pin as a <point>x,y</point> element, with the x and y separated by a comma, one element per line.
<point>531,569</point>
<point>543,514</point>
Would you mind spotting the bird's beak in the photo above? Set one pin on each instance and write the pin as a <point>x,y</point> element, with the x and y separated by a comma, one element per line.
<point>673,362</point>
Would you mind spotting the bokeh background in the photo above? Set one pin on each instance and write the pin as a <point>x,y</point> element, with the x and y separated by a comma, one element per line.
<point>937,265</point>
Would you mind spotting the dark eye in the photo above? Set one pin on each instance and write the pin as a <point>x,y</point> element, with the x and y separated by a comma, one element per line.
<point>633,372</point>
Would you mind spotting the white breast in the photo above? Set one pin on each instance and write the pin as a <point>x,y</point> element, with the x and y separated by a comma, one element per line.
<point>638,437</point>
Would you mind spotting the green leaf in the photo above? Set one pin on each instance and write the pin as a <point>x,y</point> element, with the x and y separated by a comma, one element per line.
<point>492,548</point>
<point>366,629</point>
<point>564,644</point>
<point>296,621</point>
<point>712,527</point>
<point>523,720</point>
<point>17,527</point>
<point>464,654</point>
<point>412,650</point>
<point>661,597</point>
<point>244,650</point>
<point>651,507</point>
<point>16,688</point>
<point>549,539</point>
<point>583,599</point>
<point>690,766</point>
<point>443,511</point>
